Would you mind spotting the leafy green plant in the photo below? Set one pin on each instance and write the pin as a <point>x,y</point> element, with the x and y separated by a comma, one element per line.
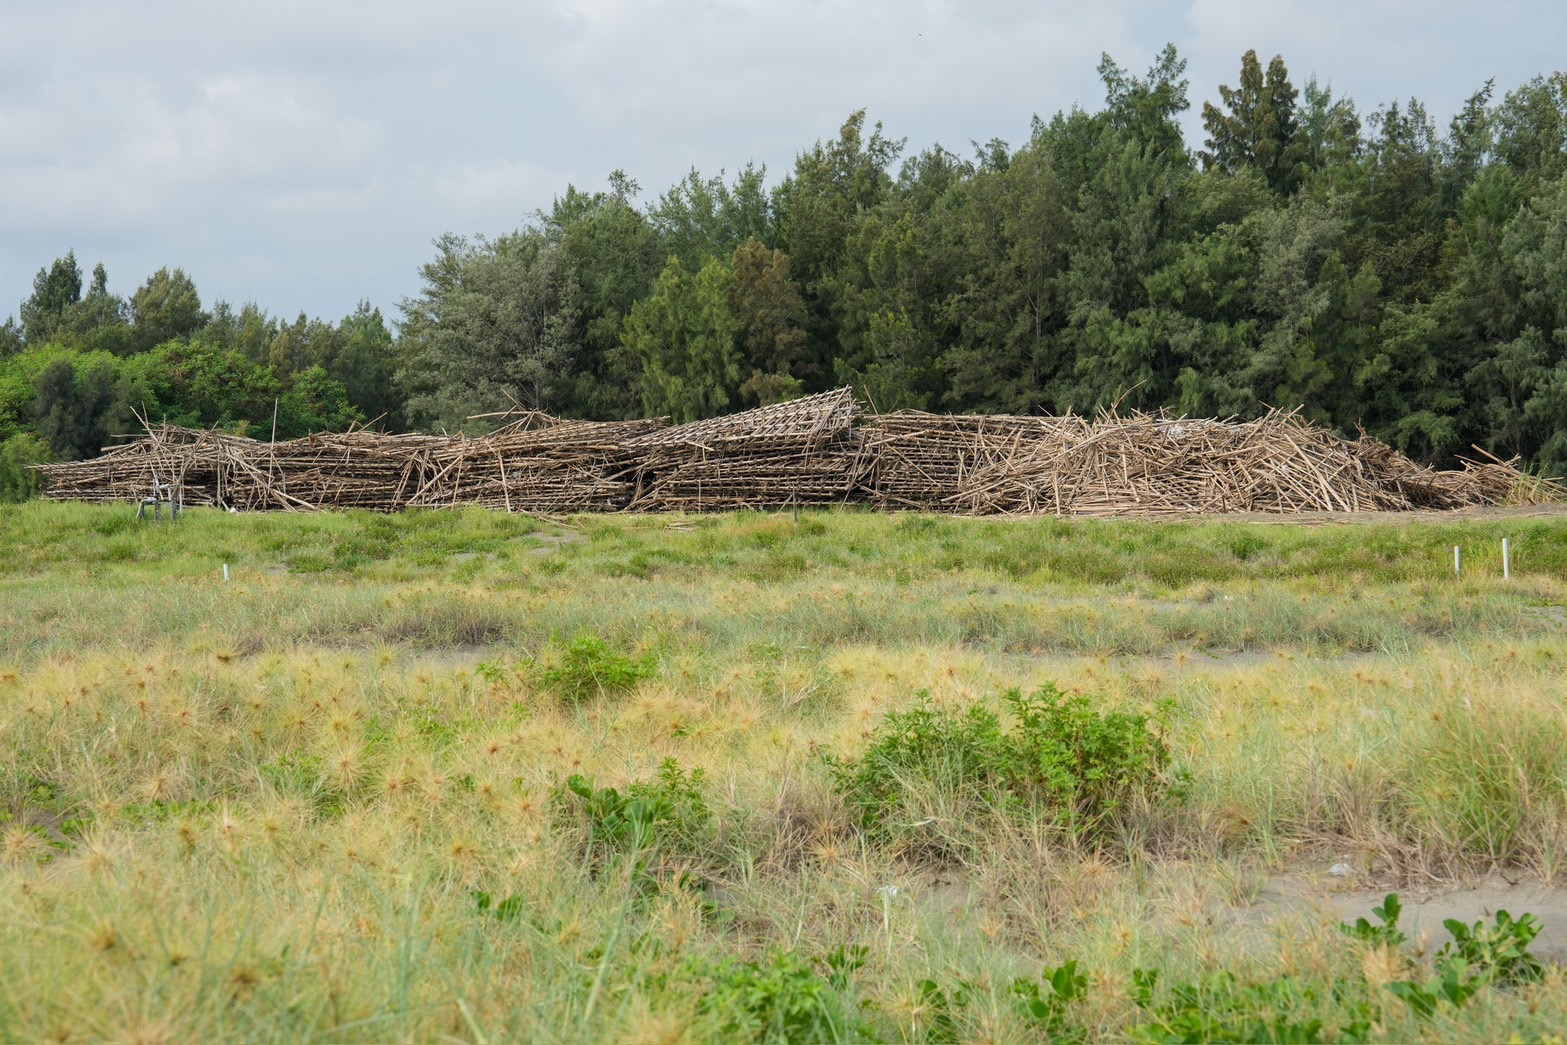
<point>666,811</point>
<point>940,1009</point>
<point>507,910</point>
<point>1220,1008</point>
<point>1477,956</point>
<point>1452,985</point>
<point>781,999</point>
<point>1498,953</point>
<point>1060,759</point>
<point>588,665</point>
<point>843,962</point>
<point>1387,934</point>
<point>1046,1005</point>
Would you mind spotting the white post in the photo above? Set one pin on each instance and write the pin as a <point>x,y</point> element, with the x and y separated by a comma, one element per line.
<point>1457,562</point>
<point>225,571</point>
<point>1507,567</point>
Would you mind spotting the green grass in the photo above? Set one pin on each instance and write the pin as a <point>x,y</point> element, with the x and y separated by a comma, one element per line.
<point>330,798</point>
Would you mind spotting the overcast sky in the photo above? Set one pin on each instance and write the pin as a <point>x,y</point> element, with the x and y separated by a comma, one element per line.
<point>302,155</point>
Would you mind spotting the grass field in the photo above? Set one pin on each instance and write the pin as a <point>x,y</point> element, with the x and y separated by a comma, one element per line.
<point>490,778</point>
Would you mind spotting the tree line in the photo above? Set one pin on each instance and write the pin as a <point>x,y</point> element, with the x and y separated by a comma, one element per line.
<point>1372,269</point>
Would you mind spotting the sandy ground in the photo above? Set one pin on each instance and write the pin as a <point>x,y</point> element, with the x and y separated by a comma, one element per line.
<point>1312,894</point>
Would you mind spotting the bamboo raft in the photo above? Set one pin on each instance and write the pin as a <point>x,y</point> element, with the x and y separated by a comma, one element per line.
<point>811,451</point>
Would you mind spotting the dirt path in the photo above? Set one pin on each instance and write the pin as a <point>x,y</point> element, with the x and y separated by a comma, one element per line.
<point>1423,913</point>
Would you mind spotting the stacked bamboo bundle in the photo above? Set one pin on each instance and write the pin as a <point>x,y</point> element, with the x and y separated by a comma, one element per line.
<point>921,461</point>
<point>538,464</point>
<point>184,459</point>
<point>807,451</point>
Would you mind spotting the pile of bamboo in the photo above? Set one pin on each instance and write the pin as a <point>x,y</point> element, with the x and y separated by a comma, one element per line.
<point>807,451</point>
<point>921,461</point>
<point>1149,465</point>
<point>811,451</point>
<point>538,464</point>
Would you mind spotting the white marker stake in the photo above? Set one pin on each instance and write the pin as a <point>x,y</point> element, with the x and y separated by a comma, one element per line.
<point>225,571</point>
<point>1507,567</point>
<point>1457,563</point>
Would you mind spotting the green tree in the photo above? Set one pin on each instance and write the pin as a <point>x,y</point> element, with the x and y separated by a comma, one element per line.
<point>684,338</point>
<point>99,321</point>
<point>1530,129</point>
<point>1009,236</point>
<point>702,218</point>
<point>56,290</point>
<point>495,325</point>
<point>366,363</point>
<point>164,308</point>
<point>81,403</point>
<point>819,206</point>
<point>315,402</point>
<point>1508,310</point>
<point>11,339</point>
<point>250,331</point>
<point>1257,126</point>
<point>610,253</point>
<point>771,312</point>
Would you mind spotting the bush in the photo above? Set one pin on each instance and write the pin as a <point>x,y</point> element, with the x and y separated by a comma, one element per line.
<point>666,813</point>
<point>588,665</point>
<point>17,482</point>
<point>782,999</point>
<point>1060,760</point>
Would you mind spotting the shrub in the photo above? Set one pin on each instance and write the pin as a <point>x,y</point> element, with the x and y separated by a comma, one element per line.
<point>781,999</point>
<point>17,481</point>
<point>588,665</point>
<point>1388,933</point>
<point>1060,760</point>
<point>665,813</point>
<point>1478,956</point>
<point>1220,1008</point>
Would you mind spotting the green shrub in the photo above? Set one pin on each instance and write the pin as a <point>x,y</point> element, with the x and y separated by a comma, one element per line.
<point>1059,760</point>
<point>665,813</point>
<point>1388,933</point>
<point>1499,952</point>
<point>17,481</point>
<point>1219,1008</point>
<point>588,665</point>
<point>1478,956</point>
<point>1046,1006</point>
<point>781,999</point>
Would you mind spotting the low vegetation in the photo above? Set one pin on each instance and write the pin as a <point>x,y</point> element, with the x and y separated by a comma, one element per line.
<point>859,777</point>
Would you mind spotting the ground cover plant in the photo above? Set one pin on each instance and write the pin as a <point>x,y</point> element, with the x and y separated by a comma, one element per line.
<point>859,777</point>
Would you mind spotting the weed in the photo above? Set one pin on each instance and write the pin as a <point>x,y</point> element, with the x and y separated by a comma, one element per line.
<point>1388,933</point>
<point>667,811</point>
<point>1046,1006</point>
<point>1498,952</point>
<point>588,665</point>
<point>1221,1008</point>
<point>780,999</point>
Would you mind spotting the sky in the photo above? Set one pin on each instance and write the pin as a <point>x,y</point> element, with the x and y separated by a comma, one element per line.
<point>303,155</point>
